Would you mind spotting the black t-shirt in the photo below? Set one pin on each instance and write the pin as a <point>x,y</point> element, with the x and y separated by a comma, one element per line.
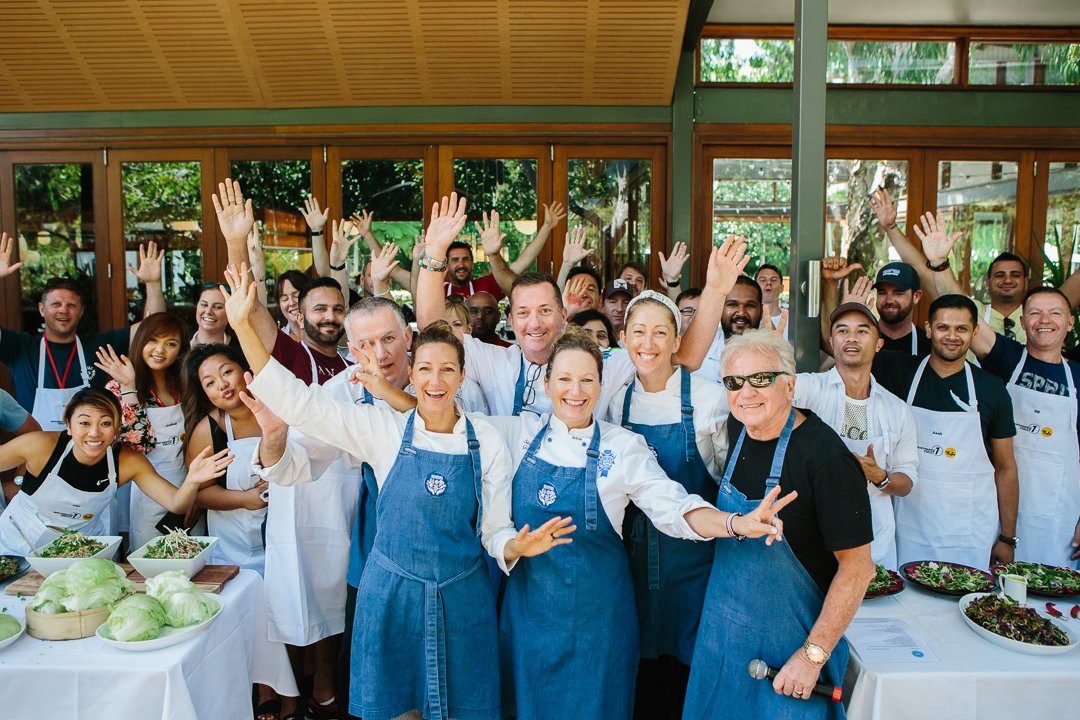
<point>832,511</point>
<point>896,371</point>
<point>1036,374</point>
<point>87,478</point>
<point>903,344</point>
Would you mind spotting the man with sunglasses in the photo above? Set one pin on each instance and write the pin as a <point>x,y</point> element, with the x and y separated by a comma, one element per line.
<point>815,578</point>
<point>875,425</point>
<point>1042,385</point>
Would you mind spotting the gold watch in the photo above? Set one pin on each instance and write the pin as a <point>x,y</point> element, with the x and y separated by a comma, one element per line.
<point>815,653</point>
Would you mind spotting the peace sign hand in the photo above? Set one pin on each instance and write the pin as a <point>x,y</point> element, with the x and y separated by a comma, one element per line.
<point>118,367</point>
<point>367,372</point>
<point>537,542</point>
<point>763,520</point>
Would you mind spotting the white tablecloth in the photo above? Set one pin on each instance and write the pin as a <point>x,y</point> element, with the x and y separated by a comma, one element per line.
<point>973,680</point>
<point>199,679</point>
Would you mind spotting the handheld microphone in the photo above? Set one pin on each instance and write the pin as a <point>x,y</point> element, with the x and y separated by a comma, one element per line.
<point>760,670</point>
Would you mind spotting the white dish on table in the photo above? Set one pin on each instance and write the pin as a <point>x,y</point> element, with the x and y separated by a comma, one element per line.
<point>1016,645</point>
<point>47,566</point>
<point>169,635</point>
<point>16,636</point>
<point>149,567</point>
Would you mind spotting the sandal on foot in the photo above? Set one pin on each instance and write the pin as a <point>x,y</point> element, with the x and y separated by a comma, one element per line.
<point>268,709</point>
<point>323,711</point>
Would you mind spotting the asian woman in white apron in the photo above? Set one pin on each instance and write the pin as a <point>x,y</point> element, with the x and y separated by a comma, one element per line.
<point>72,476</point>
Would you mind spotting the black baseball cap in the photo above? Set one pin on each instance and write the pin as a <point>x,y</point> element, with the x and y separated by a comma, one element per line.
<point>898,274</point>
<point>618,285</point>
<point>852,307</point>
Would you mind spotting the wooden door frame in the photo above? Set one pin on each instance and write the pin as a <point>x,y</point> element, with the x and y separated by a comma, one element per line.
<point>1040,206</point>
<point>336,154</point>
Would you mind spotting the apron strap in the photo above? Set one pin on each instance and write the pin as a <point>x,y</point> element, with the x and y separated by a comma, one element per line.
<point>687,409</point>
<point>407,436</point>
<point>477,471</point>
<point>591,473</point>
<point>914,340</point>
<point>915,381</point>
<point>228,429</point>
<point>435,651</point>
<point>627,399</point>
<point>778,455</point>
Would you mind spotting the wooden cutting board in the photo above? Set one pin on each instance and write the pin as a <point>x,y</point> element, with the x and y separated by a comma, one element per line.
<point>211,579</point>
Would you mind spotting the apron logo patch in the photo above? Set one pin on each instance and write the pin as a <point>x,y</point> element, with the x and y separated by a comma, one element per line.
<point>935,450</point>
<point>436,484</point>
<point>950,452</point>
<point>1047,431</point>
<point>546,495</point>
<point>88,516</point>
<point>606,462</point>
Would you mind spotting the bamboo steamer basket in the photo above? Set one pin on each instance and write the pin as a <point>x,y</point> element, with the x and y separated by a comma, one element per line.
<point>65,626</point>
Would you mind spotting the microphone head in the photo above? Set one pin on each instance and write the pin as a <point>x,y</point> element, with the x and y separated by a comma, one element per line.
<point>758,669</point>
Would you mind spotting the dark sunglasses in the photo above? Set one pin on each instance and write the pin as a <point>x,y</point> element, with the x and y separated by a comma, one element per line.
<point>757,380</point>
<point>1008,324</point>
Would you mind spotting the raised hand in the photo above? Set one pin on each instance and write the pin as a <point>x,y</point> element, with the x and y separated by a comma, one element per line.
<point>553,215</point>
<point>361,221</point>
<point>314,216</point>
<point>763,520</point>
<point>530,543</point>
<point>204,468</point>
<point>580,294</point>
<point>859,292</point>
<point>781,324</point>
<point>419,246</point>
<point>118,367</point>
<point>270,423</point>
<point>726,264</point>
<point>671,267</point>
<point>240,295</point>
<point>367,372</point>
<point>447,220</point>
<point>937,243</point>
<point>256,254</point>
<point>882,205</point>
<point>873,473</point>
<point>574,251</point>
<point>7,246</point>
<point>835,268</point>
<point>342,242</point>
<point>235,215</point>
<point>490,237</point>
<point>383,265</point>
<point>149,269</point>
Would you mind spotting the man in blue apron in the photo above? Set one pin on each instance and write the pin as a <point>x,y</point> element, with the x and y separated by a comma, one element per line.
<point>813,583</point>
<point>1043,389</point>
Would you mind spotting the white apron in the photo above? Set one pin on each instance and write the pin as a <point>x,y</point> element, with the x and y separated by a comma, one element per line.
<point>58,504</point>
<point>1048,462</point>
<point>308,536</point>
<point>239,532</point>
<point>883,547</point>
<point>167,459</point>
<point>951,514</point>
<point>49,403</point>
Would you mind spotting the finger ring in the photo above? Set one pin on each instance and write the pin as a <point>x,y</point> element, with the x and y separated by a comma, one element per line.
<point>797,693</point>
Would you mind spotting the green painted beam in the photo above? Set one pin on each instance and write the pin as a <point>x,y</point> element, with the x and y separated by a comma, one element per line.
<point>682,151</point>
<point>337,116</point>
<point>851,106</point>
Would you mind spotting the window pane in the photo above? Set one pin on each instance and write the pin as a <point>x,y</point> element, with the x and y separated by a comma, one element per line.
<point>978,198</point>
<point>162,203</point>
<point>1002,63</point>
<point>613,199</point>
<point>508,186</point>
<point>394,191</point>
<point>277,188</point>
<point>1061,251</point>
<point>54,222</point>
<point>851,228</point>
<point>900,63</point>
<point>752,197</point>
<point>747,60</point>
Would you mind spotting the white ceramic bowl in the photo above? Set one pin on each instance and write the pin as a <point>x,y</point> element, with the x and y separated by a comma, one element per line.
<point>47,566</point>
<point>169,635</point>
<point>16,636</point>
<point>1016,645</point>
<point>149,567</point>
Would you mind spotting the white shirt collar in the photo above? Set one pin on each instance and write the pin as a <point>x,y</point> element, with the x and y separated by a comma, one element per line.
<point>559,427</point>
<point>673,385</point>
<point>459,426</point>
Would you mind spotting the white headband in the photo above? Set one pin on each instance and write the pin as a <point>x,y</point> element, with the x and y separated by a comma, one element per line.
<point>663,300</point>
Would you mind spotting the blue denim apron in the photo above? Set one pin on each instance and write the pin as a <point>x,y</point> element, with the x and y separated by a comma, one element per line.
<point>427,638</point>
<point>363,532</point>
<point>761,603</point>
<point>670,574</point>
<point>568,632</point>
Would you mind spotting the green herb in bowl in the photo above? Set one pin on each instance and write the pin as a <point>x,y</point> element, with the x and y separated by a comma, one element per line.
<point>175,546</point>
<point>72,544</point>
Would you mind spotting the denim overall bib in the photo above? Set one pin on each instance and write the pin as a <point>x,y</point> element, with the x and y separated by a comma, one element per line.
<point>761,603</point>
<point>670,574</point>
<point>427,638</point>
<point>568,629</point>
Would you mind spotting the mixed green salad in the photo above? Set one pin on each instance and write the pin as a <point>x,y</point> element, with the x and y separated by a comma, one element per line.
<point>175,546</point>
<point>1045,578</point>
<point>8,567</point>
<point>8,626</point>
<point>171,599</point>
<point>884,581</point>
<point>1003,616</point>
<point>72,544</point>
<point>949,577</point>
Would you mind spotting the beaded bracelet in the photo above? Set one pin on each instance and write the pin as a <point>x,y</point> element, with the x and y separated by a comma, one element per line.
<point>731,528</point>
<point>429,263</point>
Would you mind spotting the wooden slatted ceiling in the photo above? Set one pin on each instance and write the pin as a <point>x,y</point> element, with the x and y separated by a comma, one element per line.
<point>184,54</point>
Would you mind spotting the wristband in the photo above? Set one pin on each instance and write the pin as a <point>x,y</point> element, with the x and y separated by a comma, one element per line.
<point>429,263</point>
<point>1010,541</point>
<point>338,267</point>
<point>316,233</point>
<point>731,528</point>
<point>938,268</point>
